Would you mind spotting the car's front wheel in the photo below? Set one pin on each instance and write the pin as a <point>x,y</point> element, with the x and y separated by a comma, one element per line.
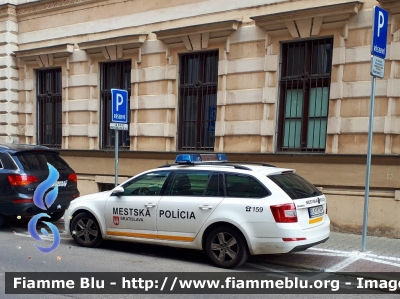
<point>85,230</point>
<point>226,247</point>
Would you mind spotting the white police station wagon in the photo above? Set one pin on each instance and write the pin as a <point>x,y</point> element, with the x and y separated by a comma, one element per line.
<point>230,210</point>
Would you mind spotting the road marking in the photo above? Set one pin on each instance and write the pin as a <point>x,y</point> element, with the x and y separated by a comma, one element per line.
<point>381,262</point>
<point>361,254</point>
<point>356,255</point>
<point>322,253</point>
<point>43,237</point>
<point>263,267</point>
<point>342,264</point>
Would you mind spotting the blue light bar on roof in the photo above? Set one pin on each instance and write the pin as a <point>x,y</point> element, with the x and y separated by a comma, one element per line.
<point>198,158</point>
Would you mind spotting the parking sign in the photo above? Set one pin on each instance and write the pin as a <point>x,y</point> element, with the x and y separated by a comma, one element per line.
<point>119,106</point>
<point>379,32</point>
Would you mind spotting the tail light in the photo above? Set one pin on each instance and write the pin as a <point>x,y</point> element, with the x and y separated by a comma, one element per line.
<point>72,177</point>
<point>22,180</point>
<point>285,213</point>
<point>22,200</point>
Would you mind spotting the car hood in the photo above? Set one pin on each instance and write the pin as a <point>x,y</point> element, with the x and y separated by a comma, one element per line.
<point>90,197</point>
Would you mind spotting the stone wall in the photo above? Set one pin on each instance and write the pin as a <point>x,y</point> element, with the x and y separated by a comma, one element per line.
<point>77,35</point>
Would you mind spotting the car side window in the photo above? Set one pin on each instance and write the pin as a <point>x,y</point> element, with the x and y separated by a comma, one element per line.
<point>191,183</point>
<point>148,184</point>
<point>6,162</point>
<point>238,185</point>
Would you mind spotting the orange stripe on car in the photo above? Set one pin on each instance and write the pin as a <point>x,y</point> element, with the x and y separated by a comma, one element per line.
<point>151,236</point>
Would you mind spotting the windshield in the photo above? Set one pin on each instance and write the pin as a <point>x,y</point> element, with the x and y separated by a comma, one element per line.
<point>295,186</point>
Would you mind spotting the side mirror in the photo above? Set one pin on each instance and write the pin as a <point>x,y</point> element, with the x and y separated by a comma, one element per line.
<point>117,191</point>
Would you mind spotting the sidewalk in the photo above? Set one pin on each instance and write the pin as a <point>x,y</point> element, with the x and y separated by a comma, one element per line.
<point>342,253</point>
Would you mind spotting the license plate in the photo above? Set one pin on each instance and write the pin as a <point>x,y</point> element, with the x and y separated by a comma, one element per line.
<point>316,211</point>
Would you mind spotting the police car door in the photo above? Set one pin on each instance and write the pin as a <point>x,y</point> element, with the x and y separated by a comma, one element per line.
<point>190,199</point>
<point>133,214</point>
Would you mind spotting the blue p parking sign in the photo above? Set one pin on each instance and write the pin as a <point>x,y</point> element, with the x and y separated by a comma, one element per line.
<point>119,106</point>
<point>379,33</point>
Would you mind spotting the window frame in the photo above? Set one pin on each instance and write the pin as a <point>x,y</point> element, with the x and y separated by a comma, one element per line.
<point>51,96</point>
<point>202,92</point>
<point>105,106</point>
<point>305,81</point>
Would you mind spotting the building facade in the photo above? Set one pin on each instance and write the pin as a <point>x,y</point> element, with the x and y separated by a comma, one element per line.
<point>277,81</point>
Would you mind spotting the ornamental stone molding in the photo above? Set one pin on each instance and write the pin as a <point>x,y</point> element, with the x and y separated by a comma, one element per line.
<point>45,56</point>
<point>308,21</point>
<point>393,6</point>
<point>113,48</point>
<point>6,10</point>
<point>198,37</point>
<point>9,9</point>
<point>43,6</point>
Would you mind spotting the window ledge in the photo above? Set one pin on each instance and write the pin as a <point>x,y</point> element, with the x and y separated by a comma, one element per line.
<point>113,48</point>
<point>391,5</point>
<point>198,37</point>
<point>45,56</point>
<point>309,21</point>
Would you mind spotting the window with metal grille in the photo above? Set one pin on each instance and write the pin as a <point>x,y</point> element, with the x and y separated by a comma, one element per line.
<point>113,75</point>
<point>49,107</point>
<point>304,95</point>
<point>198,100</point>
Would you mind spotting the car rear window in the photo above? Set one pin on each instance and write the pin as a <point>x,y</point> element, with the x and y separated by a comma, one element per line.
<point>38,161</point>
<point>295,186</point>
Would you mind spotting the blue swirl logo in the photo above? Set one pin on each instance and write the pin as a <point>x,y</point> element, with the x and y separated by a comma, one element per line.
<point>44,202</point>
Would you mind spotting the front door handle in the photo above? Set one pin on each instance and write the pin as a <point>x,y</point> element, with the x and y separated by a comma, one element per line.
<point>150,205</point>
<point>206,207</point>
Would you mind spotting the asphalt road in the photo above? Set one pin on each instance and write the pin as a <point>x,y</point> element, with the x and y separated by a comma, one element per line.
<point>18,254</point>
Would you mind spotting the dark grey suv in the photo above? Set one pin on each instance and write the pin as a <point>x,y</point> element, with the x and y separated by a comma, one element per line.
<point>22,168</point>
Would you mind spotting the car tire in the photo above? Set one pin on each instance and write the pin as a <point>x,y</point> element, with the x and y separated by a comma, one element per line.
<point>85,230</point>
<point>226,247</point>
<point>1,220</point>
<point>56,216</point>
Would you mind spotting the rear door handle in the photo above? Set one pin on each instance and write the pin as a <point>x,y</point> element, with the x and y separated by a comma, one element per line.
<point>150,205</point>
<point>206,207</point>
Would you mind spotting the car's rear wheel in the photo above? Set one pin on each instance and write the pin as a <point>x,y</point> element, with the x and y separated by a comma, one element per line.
<point>226,247</point>
<point>85,230</point>
<point>1,220</point>
<point>56,215</point>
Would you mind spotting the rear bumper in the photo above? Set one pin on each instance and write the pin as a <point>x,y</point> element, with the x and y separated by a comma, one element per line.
<point>314,236</point>
<point>304,247</point>
<point>30,209</point>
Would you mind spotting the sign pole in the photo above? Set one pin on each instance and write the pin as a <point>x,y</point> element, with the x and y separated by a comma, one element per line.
<point>116,157</point>
<point>368,175</point>
<point>119,119</point>
<point>378,52</point>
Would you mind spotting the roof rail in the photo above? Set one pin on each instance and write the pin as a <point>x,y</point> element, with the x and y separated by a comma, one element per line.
<point>208,163</point>
<point>167,165</point>
<point>255,163</point>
